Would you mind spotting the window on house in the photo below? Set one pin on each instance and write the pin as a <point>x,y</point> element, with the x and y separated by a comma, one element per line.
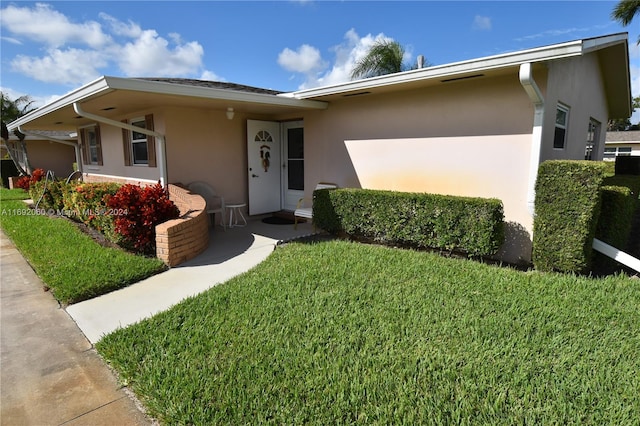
<point>139,149</point>
<point>91,145</point>
<point>562,121</point>
<point>611,152</point>
<point>139,143</point>
<point>593,134</point>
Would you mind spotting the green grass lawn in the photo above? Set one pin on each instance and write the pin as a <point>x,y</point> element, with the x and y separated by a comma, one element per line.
<point>68,261</point>
<point>339,333</point>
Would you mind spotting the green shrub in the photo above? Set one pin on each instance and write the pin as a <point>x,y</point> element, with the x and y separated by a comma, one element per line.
<point>53,197</point>
<point>629,181</point>
<point>88,202</point>
<point>470,225</point>
<point>567,210</point>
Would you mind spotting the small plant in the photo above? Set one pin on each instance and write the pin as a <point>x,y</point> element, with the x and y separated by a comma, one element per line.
<point>26,181</point>
<point>137,211</point>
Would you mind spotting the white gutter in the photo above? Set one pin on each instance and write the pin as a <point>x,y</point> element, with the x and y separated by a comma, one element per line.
<point>160,139</point>
<point>530,86</point>
<point>76,146</point>
<point>488,63</point>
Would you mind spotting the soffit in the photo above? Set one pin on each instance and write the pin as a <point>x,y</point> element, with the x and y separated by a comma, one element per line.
<point>115,97</point>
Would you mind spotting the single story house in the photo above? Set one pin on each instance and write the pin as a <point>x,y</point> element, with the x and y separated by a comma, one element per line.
<point>477,128</point>
<point>48,150</point>
<point>622,144</point>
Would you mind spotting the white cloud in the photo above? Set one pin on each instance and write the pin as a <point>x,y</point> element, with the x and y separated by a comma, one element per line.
<point>45,25</point>
<point>306,59</point>
<point>481,23</point>
<point>211,76</point>
<point>150,54</point>
<point>61,66</point>
<point>76,53</point>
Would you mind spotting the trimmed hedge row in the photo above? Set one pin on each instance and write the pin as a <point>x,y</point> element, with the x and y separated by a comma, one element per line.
<point>471,225</point>
<point>567,210</point>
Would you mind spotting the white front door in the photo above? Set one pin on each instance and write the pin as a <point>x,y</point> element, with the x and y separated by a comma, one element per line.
<point>293,165</point>
<point>263,151</point>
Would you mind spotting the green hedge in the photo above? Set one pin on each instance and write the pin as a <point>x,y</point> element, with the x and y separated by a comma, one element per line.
<point>629,181</point>
<point>53,197</point>
<point>567,210</point>
<point>470,225</point>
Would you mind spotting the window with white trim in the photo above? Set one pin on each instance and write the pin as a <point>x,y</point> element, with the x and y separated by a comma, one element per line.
<point>611,152</point>
<point>139,152</point>
<point>91,146</point>
<point>562,124</point>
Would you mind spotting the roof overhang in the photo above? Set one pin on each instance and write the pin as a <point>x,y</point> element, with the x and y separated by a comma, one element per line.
<point>114,96</point>
<point>612,52</point>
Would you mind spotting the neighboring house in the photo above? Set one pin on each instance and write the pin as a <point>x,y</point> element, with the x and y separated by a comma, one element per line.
<point>50,150</point>
<point>622,144</point>
<point>473,128</point>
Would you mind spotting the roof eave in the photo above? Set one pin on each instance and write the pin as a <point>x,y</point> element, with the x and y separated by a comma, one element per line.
<point>107,84</point>
<point>540,54</point>
<point>96,87</point>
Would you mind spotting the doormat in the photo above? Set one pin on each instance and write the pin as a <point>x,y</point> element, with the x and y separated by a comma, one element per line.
<point>277,220</point>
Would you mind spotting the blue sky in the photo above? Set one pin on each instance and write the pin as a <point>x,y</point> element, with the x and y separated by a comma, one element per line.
<point>52,47</point>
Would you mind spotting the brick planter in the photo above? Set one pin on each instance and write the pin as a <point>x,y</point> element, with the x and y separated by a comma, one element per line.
<point>182,239</point>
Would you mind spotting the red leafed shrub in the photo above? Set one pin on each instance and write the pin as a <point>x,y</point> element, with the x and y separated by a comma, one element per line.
<point>137,211</point>
<point>25,181</point>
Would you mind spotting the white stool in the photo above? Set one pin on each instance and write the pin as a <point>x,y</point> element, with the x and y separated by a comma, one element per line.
<point>236,208</point>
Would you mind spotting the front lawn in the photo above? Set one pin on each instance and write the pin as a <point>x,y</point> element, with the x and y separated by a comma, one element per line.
<point>68,261</point>
<point>337,332</point>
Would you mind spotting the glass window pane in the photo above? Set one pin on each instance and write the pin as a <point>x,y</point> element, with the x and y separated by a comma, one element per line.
<point>295,171</point>
<point>624,149</point>
<point>135,136</point>
<point>140,153</point>
<point>295,143</point>
<point>558,139</point>
<point>561,117</point>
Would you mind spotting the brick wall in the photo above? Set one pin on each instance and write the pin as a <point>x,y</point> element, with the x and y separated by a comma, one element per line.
<point>181,239</point>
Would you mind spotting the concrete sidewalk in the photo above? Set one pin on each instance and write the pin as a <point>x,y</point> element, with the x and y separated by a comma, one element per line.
<point>230,253</point>
<point>50,373</point>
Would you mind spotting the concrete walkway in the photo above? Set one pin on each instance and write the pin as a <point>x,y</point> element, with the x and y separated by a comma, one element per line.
<point>230,253</point>
<point>50,373</point>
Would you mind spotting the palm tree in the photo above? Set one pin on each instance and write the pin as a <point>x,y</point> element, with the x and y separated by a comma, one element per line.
<point>11,111</point>
<point>384,57</point>
<point>625,11</point>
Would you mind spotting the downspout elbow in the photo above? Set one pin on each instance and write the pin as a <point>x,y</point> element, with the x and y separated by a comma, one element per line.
<point>537,99</point>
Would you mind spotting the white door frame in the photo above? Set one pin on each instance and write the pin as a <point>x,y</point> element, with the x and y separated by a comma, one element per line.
<point>289,197</point>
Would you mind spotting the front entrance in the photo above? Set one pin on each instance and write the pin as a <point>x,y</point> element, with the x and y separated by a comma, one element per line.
<point>275,165</point>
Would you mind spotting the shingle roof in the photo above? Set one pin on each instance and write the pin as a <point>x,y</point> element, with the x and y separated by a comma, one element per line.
<point>631,136</point>
<point>213,85</point>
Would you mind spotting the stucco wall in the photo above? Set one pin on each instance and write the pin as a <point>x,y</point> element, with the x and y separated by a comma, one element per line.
<point>576,83</point>
<point>203,145</point>
<point>468,138</point>
<point>51,156</point>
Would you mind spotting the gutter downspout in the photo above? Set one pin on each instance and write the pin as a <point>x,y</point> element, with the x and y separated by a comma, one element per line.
<point>530,86</point>
<point>160,139</point>
<point>76,146</point>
